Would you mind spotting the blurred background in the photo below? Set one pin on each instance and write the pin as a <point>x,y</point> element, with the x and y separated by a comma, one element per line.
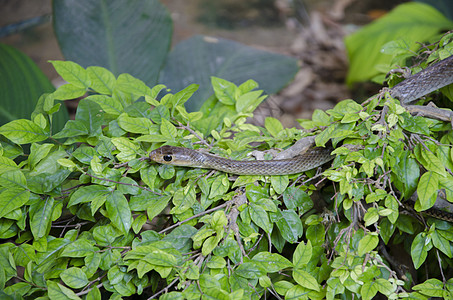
<point>311,31</point>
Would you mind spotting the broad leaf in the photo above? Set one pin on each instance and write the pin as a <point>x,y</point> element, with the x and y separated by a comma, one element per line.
<point>21,85</point>
<point>412,22</point>
<point>197,59</point>
<point>132,38</point>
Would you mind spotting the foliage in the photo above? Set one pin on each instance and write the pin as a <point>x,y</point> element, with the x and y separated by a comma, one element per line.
<point>138,44</point>
<point>402,28</point>
<point>84,213</point>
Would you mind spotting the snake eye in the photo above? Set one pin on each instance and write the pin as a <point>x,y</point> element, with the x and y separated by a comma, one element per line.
<point>167,157</point>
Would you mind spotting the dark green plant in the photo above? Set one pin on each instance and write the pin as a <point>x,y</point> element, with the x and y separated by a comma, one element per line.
<point>21,84</point>
<point>85,213</point>
<point>401,29</point>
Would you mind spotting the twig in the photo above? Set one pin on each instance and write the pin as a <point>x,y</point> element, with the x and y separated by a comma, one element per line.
<point>123,183</point>
<point>165,289</point>
<point>186,127</point>
<point>196,216</point>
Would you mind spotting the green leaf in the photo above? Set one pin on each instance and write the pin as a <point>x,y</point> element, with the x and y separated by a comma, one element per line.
<point>168,130</point>
<point>157,206</point>
<point>108,104</point>
<point>72,129</point>
<point>41,217</point>
<point>216,262</point>
<point>19,288</point>
<point>247,103</point>
<point>295,197</point>
<point>431,287</point>
<point>38,152</point>
<point>91,193</point>
<point>302,255</point>
<point>334,287</point>
<point>413,22</point>
<point>12,199</point>
<point>279,183</point>
<point>371,216</point>
<point>224,90</point>
<point>126,147</point>
<point>7,165</point>
<point>106,235</point>
<point>441,243</point>
<point>118,211</point>
<point>58,291</point>
<point>415,124</point>
<point>290,226</point>
<point>182,96</point>
<point>134,125</point>
<point>102,25</point>
<point>102,80</point>
<point>407,173</point>
<point>225,59</point>
<point>427,190</point>
<point>433,163</point>
<point>23,132</point>
<point>94,294</point>
<point>250,270</point>
<point>322,138</point>
<point>161,258</point>
<point>369,290</point>
<point>21,85</point>
<point>260,217</point>
<point>184,199</point>
<point>72,73</point>
<point>385,287</point>
<point>92,261</point>
<point>419,249</point>
<point>128,84</point>
<point>138,223</point>
<point>368,243</point>
<point>74,277</point>
<point>305,279</point>
<point>90,114</point>
<point>13,179</point>
<point>209,245</point>
<point>68,91</point>
<point>166,171</point>
<point>180,237</point>
<point>219,186</point>
<point>78,248</point>
<point>273,126</point>
<point>272,262</point>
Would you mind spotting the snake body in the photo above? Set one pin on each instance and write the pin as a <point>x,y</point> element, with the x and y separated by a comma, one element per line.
<point>179,156</point>
<point>424,82</point>
<point>408,91</point>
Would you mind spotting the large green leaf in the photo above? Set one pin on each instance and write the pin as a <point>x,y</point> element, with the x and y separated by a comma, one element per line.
<point>409,22</point>
<point>445,6</point>
<point>125,37</point>
<point>197,59</point>
<point>21,84</point>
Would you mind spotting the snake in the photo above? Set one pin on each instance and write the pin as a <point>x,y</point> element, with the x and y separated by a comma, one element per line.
<point>408,91</point>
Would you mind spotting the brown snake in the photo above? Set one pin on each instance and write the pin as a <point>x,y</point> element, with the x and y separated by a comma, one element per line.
<point>408,91</point>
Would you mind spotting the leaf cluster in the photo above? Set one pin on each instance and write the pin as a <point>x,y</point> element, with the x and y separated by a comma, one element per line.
<point>84,213</point>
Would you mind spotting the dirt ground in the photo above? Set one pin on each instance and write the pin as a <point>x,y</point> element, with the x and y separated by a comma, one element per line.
<point>310,30</point>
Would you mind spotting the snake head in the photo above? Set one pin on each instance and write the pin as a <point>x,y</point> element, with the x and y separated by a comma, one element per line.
<point>172,155</point>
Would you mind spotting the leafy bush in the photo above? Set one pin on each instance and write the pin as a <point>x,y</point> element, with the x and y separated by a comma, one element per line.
<point>84,213</point>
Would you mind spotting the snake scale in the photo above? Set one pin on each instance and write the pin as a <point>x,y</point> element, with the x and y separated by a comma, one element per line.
<point>408,91</point>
